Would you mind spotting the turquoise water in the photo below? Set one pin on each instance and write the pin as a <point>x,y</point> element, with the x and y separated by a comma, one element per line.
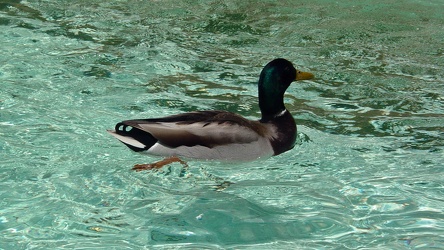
<point>366,173</point>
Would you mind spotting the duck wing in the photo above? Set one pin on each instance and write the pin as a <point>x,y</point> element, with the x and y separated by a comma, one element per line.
<point>202,129</point>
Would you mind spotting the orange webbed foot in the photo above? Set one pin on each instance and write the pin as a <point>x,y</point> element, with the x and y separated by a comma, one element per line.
<point>159,164</point>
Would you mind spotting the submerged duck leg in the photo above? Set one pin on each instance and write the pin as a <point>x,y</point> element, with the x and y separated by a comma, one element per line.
<point>159,164</point>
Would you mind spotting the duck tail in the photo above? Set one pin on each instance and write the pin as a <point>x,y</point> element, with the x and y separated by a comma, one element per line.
<point>134,138</point>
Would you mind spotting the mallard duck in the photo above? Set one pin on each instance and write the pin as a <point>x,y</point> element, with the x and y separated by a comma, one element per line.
<point>220,135</point>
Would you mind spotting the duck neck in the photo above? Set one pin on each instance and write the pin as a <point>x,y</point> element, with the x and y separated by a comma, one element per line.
<point>271,103</point>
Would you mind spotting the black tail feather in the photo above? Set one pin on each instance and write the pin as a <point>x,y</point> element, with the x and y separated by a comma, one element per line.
<point>142,136</point>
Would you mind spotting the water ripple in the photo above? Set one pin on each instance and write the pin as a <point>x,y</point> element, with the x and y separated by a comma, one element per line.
<point>365,173</point>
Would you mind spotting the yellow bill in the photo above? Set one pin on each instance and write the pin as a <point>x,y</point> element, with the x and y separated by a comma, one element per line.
<point>303,75</point>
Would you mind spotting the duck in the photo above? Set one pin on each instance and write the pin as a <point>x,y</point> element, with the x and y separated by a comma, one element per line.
<point>217,134</point>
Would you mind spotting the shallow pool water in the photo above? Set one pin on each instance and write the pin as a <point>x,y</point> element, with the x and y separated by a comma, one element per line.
<point>366,172</point>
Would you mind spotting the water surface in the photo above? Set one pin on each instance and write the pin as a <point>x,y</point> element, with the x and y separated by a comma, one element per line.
<point>366,173</point>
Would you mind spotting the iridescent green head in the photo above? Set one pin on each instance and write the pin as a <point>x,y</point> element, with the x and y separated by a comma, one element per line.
<point>274,80</point>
